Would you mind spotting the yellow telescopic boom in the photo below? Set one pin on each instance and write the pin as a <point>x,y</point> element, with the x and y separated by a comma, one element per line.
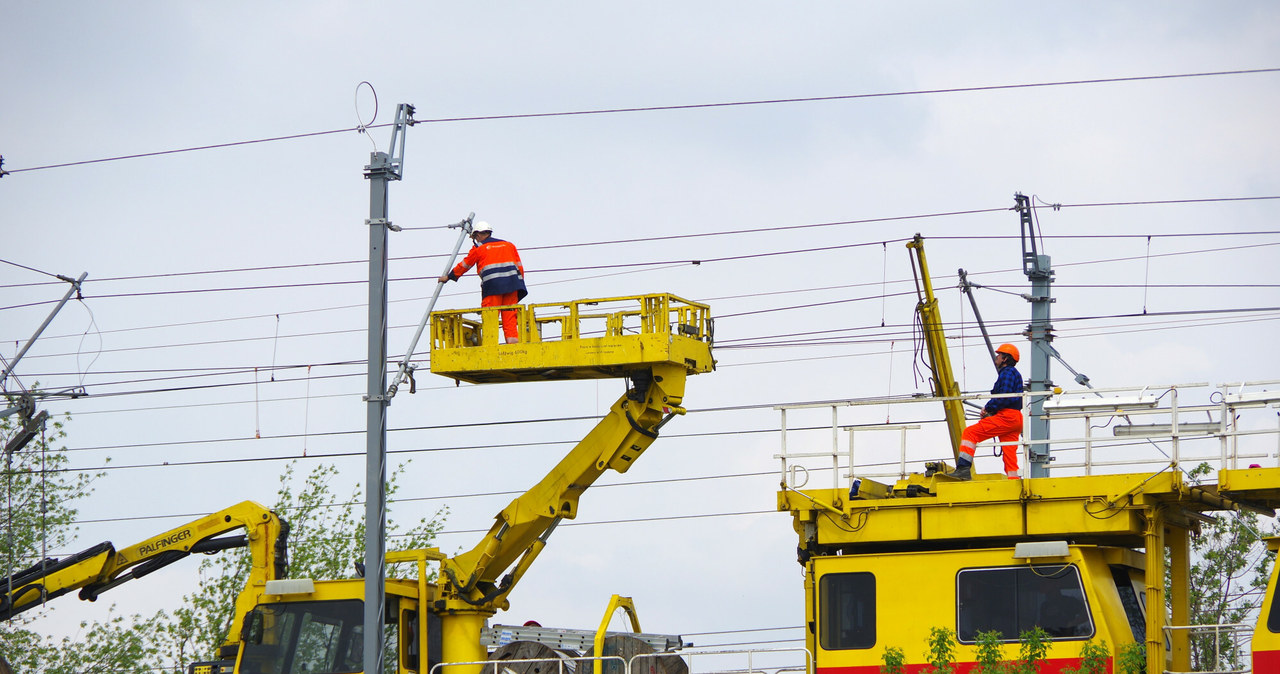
<point>655,341</point>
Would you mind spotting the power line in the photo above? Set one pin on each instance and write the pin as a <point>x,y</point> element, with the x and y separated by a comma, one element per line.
<point>33,269</point>
<point>663,108</point>
<point>898,332</point>
<point>460,532</point>
<point>1157,203</point>
<point>709,299</point>
<point>193,149</point>
<point>695,262</point>
<point>735,232</point>
<point>442,427</point>
<point>889,337</point>
<point>778,228</point>
<point>445,497</point>
<point>808,340</point>
<point>811,99</point>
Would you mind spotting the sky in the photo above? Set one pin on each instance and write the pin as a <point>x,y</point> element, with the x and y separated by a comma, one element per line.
<point>798,212</point>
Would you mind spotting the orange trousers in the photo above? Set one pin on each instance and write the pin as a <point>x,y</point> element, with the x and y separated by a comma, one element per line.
<point>1005,424</point>
<point>509,328</point>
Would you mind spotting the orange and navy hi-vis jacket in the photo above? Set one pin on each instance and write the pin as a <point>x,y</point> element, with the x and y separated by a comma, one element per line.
<point>499,267</point>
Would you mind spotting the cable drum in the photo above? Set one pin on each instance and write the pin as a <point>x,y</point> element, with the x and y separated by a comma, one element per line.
<point>627,647</point>
<point>539,659</point>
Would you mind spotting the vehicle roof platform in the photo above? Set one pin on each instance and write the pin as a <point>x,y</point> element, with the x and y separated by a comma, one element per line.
<point>600,338</point>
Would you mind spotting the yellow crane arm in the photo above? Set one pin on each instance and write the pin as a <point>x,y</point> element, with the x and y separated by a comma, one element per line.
<point>520,531</point>
<point>943,381</point>
<point>103,567</point>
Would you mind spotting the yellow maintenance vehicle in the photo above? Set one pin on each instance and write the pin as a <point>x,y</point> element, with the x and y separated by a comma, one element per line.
<point>286,625</point>
<point>890,553</point>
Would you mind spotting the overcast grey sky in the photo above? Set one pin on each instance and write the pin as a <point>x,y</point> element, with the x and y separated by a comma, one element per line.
<point>86,81</point>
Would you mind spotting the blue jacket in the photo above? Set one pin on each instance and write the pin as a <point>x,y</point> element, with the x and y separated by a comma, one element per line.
<point>1009,380</point>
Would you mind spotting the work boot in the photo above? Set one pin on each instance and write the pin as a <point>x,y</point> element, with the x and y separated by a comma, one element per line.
<point>962,472</point>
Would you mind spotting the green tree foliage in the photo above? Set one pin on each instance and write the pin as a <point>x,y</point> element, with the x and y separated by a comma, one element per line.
<point>1229,575</point>
<point>118,645</point>
<point>38,495</point>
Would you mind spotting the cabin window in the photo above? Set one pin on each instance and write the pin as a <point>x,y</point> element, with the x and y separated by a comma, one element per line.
<point>1273,617</point>
<point>847,611</point>
<point>301,637</point>
<point>1014,600</point>
<point>410,644</point>
<point>1132,605</point>
<point>409,640</point>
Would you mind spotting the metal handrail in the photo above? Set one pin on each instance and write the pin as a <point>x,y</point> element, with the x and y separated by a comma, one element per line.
<point>1227,401</point>
<point>656,313</point>
<point>1245,632</point>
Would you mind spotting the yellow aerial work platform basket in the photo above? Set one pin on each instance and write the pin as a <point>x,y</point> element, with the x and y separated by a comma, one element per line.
<point>583,339</point>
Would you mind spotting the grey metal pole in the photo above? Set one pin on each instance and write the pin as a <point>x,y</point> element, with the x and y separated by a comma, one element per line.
<point>382,169</point>
<point>1038,269</point>
<point>379,173</point>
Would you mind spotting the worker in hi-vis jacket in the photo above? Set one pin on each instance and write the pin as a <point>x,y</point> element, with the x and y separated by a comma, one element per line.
<point>1002,418</point>
<point>501,275</point>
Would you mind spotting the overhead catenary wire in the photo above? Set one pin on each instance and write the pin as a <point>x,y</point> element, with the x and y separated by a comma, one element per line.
<point>737,232</point>
<point>696,262</point>
<point>1010,289</point>
<point>446,497</point>
<point>451,426</point>
<point>898,332</point>
<point>756,342</point>
<point>456,496</point>
<point>563,525</point>
<point>1114,329</point>
<point>743,344</point>
<point>409,429</point>
<point>33,269</point>
<point>360,128</point>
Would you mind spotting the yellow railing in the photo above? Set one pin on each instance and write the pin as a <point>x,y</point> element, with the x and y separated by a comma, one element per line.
<point>660,313</point>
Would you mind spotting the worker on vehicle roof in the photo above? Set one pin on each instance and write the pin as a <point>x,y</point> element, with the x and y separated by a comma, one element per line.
<point>501,275</point>
<point>1002,418</point>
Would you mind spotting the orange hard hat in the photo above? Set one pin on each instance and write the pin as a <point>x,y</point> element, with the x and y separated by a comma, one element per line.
<point>1009,349</point>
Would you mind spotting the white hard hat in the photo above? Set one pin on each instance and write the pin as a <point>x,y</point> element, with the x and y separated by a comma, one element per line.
<point>481,226</point>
